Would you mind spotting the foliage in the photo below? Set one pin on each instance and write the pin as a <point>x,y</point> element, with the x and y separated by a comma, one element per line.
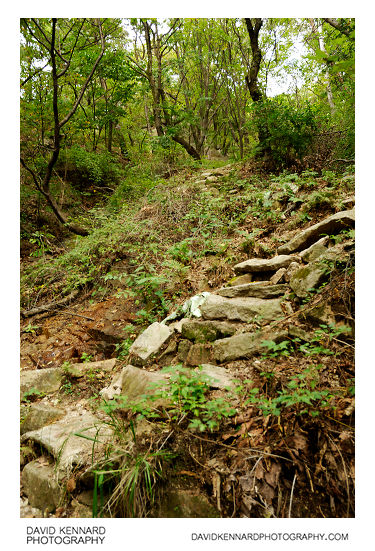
<point>290,128</point>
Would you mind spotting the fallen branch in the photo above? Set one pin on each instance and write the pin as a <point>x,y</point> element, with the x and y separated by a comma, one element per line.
<point>50,306</point>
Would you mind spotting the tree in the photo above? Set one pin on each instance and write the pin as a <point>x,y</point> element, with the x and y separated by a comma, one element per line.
<point>58,42</point>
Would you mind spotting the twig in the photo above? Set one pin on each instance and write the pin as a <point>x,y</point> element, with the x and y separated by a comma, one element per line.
<point>291,495</point>
<point>346,475</point>
<point>74,314</point>
<point>50,305</point>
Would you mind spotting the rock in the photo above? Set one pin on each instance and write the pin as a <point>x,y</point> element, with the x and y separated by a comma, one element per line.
<point>133,383</point>
<point>61,439</point>
<point>308,278</point>
<point>43,380</point>
<point>185,504</point>
<point>322,314</point>
<point>149,342</point>
<point>81,369</point>
<point>316,250</point>
<point>264,264</point>
<point>169,352</point>
<point>183,350</point>
<point>40,415</point>
<point>244,345</point>
<point>220,376</point>
<point>192,306</point>
<point>278,276</point>
<point>41,486</point>
<point>242,309</point>
<point>293,267</point>
<point>240,280</point>
<point>199,354</point>
<point>27,454</point>
<point>312,276</point>
<point>206,331</point>
<point>331,225</point>
<point>349,202</point>
<point>258,289</point>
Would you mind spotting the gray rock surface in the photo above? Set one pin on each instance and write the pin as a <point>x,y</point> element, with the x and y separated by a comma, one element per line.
<point>150,342</point>
<point>132,382</point>
<point>330,225</point>
<point>241,309</point>
<point>264,264</point>
<point>257,289</point>
<point>316,250</point>
<point>61,439</point>
<point>41,486</point>
<point>244,345</point>
<point>44,380</point>
<point>40,415</point>
<point>220,376</point>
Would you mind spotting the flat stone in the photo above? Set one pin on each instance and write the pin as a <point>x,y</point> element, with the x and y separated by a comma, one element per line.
<point>206,331</point>
<point>220,376</point>
<point>150,342</point>
<point>316,250</point>
<point>264,264</point>
<point>40,484</point>
<point>61,440</point>
<point>244,345</point>
<point>43,380</point>
<point>331,225</point>
<point>132,382</point>
<point>40,415</point>
<point>258,289</point>
<point>242,309</point>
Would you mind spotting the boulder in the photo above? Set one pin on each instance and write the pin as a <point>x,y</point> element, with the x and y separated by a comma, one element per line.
<point>206,331</point>
<point>183,349</point>
<point>258,289</point>
<point>149,342</point>
<point>41,486</point>
<point>132,382</point>
<point>331,225</point>
<point>43,380</point>
<point>40,415</point>
<point>264,264</point>
<point>244,345</point>
<point>242,309</point>
<point>62,439</point>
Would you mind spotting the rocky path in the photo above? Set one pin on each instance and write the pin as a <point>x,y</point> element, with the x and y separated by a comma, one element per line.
<point>209,330</point>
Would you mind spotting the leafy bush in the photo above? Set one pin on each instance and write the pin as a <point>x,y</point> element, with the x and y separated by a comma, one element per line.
<point>85,168</point>
<point>288,129</point>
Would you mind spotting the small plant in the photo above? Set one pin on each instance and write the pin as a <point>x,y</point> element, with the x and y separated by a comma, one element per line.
<point>86,358</point>
<point>30,329</point>
<point>32,394</point>
<point>41,239</point>
<point>122,348</point>
<point>276,349</point>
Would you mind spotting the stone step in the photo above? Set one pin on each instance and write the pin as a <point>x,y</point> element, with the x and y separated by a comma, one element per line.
<point>244,309</point>
<point>257,289</point>
<point>265,264</point>
<point>330,225</point>
<point>244,345</point>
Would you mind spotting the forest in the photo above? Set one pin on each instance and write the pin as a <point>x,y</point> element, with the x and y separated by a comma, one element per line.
<point>187,267</point>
